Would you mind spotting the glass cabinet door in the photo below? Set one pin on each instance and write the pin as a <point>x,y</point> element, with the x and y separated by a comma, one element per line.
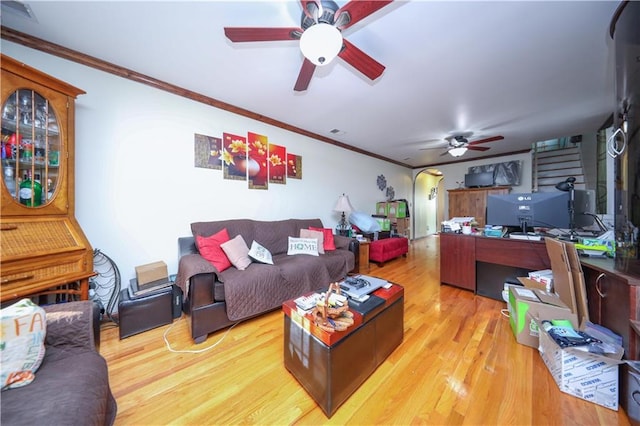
<point>30,148</point>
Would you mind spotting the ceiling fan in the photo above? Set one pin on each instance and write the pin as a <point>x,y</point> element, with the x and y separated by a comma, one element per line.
<point>459,144</point>
<point>320,36</point>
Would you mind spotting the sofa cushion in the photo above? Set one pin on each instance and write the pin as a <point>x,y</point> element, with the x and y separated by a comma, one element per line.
<point>260,254</point>
<point>237,251</point>
<point>303,246</point>
<point>209,248</point>
<point>67,391</point>
<point>21,343</point>
<point>318,235</point>
<point>328,241</point>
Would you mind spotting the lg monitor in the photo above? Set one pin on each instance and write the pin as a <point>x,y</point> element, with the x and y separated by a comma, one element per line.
<point>540,209</point>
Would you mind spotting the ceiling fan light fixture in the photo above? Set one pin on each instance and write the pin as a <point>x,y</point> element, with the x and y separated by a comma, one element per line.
<point>457,152</point>
<point>321,43</point>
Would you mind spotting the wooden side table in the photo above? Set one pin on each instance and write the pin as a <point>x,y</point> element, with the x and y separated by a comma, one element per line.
<point>364,257</point>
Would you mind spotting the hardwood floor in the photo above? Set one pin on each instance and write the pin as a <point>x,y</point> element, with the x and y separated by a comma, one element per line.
<point>458,364</point>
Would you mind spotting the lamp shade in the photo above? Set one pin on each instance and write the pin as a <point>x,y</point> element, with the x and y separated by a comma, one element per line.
<point>457,152</point>
<point>321,43</point>
<point>343,204</point>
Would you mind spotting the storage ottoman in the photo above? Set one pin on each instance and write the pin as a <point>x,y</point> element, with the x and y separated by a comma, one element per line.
<point>144,313</point>
<point>382,250</point>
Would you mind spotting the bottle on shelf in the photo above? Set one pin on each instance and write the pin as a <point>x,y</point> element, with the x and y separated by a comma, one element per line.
<point>30,191</point>
<point>10,180</point>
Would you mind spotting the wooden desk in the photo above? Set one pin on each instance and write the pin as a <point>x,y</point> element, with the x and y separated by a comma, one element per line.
<point>459,266</point>
<point>613,297</point>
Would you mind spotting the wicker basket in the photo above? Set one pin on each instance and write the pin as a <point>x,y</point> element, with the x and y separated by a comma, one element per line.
<point>331,318</point>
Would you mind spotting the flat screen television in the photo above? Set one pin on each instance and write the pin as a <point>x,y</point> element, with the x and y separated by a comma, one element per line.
<point>478,180</point>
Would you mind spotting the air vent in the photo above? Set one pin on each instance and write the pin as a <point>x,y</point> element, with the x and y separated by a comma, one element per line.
<point>18,8</point>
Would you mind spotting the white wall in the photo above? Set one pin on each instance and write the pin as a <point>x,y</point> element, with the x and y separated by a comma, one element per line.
<point>137,189</point>
<point>454,173</point>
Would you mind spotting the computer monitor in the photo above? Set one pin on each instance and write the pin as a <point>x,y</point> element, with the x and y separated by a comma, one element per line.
<point>584,202</point>
<point>527,210</point>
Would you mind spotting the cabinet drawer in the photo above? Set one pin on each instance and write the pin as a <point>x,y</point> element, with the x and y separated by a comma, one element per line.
<point>29,277</point>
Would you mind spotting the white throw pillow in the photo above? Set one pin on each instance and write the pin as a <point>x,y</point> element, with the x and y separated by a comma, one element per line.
<point>303,246</point>
<point>24,327</point>
<point>260,254</point>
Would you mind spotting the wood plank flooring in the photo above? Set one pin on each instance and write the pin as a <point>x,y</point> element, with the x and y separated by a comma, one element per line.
<point>458,364</point>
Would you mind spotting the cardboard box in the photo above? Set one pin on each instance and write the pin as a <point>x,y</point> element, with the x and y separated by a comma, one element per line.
<point>562,277</point>
<point>385,224</point>
<point>588,376</point>
<point>382,208</point>
<point>568,278</point>
<point>397,209</point>
<point>152,272</point>
<point>528,306</point>
<point>544,276</point>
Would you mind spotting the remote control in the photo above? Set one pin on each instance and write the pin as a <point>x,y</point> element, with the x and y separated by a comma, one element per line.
<point>362,298</point>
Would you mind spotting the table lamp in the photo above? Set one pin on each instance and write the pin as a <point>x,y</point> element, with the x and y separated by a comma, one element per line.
<point>344,206</point>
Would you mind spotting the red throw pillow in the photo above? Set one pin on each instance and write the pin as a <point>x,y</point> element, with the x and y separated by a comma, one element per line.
<point>328,243</point>
<point>209,248</point>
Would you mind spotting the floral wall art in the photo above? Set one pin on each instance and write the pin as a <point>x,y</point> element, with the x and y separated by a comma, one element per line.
<point>207,151</point>
<point>294,166</point>
<point>250,158</point>
<point>277,164</point>
<point>257,167</point>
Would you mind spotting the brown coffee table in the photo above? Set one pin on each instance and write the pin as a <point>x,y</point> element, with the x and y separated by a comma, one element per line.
<point>331,366</point>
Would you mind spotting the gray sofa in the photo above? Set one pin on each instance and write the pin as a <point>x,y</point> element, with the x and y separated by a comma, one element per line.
<point>72,384</point>
<point>214,300</point>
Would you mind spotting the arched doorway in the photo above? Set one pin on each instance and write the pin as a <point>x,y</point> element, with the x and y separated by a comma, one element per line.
<point>428,205</point>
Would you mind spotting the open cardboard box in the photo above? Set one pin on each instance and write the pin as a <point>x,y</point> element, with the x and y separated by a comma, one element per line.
<point>569,286</point>
<point>580,373</point>
<point>532,303</point>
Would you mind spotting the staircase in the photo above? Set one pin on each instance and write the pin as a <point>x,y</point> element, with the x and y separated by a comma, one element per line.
<point>553,164</point>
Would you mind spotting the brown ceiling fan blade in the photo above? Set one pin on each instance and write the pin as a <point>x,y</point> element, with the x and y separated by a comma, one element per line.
<point>306,72</point>
<point>305,7</point>
<point>478,148</point>
<point>357,10</point>
<point>361,61</point>
<point>243,34</point>
<point>485,140</point>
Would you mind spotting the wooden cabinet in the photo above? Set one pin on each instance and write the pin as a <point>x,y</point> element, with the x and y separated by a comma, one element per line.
<point>43,246</point>
<point>363,263</point>
<point>613,302</point>
<point>458,260</point>
<point>472,202</point>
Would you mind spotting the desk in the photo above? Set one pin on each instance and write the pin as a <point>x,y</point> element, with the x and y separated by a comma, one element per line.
<point>464,252</point>
<point>481,264</point>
